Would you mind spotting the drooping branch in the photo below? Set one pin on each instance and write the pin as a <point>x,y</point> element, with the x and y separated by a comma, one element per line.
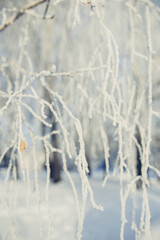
<point>20,13</point>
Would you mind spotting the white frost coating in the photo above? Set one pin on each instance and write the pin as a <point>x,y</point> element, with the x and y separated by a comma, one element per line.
<point>107,75</point>
<point>81,164</point>
<point>20,136</point>
<point>121,158</point>
<point>130,6</point>
<point>116,63</point>
<point>98,89</point>
<point>149,90</point>
<point>145,216</point>
<point>47,163</point>
<point>37,184</point>
<point>82,167</point>
<point>36,115</point>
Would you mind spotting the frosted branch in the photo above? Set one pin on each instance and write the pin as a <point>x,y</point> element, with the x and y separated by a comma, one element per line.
<point>20,13</point>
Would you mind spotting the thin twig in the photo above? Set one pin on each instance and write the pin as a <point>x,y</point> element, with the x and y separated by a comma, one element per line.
<point>46,10</point>
<point>20,13</point>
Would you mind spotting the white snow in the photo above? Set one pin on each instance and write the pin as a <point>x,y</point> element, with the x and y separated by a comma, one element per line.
<point>20,217</point>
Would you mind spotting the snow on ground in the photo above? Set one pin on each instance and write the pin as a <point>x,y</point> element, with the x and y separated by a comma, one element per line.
<point>21,217</point>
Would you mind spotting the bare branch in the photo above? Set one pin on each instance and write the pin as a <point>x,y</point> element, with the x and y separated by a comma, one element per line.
<point>20,13</point>
<point>46,10</point>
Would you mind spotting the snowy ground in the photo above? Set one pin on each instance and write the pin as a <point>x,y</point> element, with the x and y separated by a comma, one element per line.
<point>21,217</point>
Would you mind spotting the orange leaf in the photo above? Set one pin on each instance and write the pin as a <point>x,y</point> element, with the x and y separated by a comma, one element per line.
<point>22,145</point>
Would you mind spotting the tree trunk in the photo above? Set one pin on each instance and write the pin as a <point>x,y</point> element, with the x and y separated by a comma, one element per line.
<point>55,166</point>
